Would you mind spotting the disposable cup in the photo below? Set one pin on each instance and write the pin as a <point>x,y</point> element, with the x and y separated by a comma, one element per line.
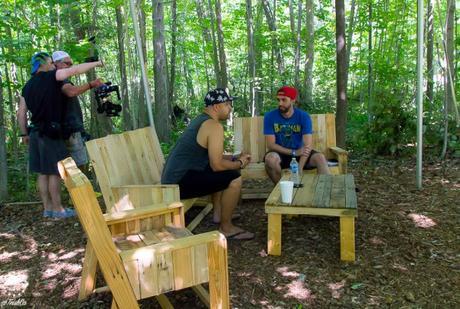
<point>286,187</point>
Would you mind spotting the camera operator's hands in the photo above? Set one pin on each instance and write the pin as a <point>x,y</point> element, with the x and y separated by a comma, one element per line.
<point>96,83</point>
<point>244,158</point>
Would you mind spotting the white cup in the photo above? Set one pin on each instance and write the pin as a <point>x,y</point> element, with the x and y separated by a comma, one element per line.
<point>287,188</point>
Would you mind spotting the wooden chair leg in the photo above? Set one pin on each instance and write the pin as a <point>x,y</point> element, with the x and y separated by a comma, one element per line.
<point>347,239</point>
<point>199,217</point>
<point>114,304</point>
<point>274,234</point>
<point>164,302</point>
<point>218,274</point>
<point>88,274</point>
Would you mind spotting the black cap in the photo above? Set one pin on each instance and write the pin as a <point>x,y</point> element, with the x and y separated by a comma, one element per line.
<point>216,96</point>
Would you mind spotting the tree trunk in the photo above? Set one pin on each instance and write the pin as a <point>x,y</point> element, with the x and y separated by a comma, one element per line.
<point>429,55</point>
<point>310,45</point>
<point>221,48</point>
<point>341,51</point>
<point>297,48</point>
<point>450,15</point>
<point>206,39</point>
<point>215,57</point>
<point>251,58</point>
<point>121,31</point>
<point>369,67</point>
<point>162,119</point>
<point>3,165</point>
<point>273,30</point>
<point>350,36</point>
<point>142,105</point>
<point>172,80</point>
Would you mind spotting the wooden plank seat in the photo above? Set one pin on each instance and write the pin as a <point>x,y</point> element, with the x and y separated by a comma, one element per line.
<point>249,137</point>
<point>128,168</point>
<point>147,251</point>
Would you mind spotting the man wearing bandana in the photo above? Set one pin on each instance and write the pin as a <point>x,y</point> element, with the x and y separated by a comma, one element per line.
<point>197,164</point>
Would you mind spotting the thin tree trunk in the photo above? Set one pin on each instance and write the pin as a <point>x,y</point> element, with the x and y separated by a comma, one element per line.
<point>215,57</point>
<point>221,48</point>
<point>162,115</point>
<point>121,31</point>
<point>251,58</point>
<point>450,15</point>
<point>342,108</point>
<point>369,67</point>
<point>350,36</point>
<point>429,55</point>
<point>273,30</point>
<point>172,80</point>
<point>142,105</point>
<point>3,165</point>
<point>297,48</point>
<point>310,45</point>
<point>206,38</point>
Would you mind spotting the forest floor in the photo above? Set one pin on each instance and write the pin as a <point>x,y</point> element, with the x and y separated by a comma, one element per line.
<point>407,250</point>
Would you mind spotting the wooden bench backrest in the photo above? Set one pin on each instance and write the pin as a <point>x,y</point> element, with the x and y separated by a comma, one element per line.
<point>92,220</point>
<point>129,158</point>
<point>249,135</point>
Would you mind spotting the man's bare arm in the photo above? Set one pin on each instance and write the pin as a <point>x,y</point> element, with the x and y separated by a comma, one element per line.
<point>63,74</point>
<point>215,144</point>
<point>21,114</point>
<point>73,91</point>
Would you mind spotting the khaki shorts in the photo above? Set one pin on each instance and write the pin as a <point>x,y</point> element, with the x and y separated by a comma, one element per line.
<point>77,149</point>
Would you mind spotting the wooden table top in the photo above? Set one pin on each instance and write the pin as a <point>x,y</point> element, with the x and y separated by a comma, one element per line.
<point>326,192</point>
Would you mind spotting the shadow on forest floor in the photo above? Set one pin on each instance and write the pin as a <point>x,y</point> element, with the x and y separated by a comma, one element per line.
<point>407,248</point>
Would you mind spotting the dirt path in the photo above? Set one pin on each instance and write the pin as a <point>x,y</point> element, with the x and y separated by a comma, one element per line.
<point>407,246</point>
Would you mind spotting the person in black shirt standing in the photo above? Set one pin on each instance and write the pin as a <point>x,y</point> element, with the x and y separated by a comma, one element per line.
<point>42,96</point>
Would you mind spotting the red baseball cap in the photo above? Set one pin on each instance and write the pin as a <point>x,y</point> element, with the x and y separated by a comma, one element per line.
<point>287,91</point>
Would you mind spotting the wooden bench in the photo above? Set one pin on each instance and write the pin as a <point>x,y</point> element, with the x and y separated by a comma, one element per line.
<point>128,167</point>
<point>249,137</point>
<point>146,251</point>
<point>321,195</point>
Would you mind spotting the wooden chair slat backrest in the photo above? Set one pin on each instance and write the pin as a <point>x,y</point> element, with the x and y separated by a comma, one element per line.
<point>92,220</point>
<point>129,158</point>
<point>249,135</point>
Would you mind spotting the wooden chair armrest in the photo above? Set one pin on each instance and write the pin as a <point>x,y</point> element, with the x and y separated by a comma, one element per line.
<point>338,151</point>
<point>160,186</point>
<point>141,213</point>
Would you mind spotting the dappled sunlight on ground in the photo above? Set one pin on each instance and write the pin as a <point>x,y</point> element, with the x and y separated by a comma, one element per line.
<point>421,220</point>
<point>14,282</point>
<point>297,290</point>
<point>336,288</point>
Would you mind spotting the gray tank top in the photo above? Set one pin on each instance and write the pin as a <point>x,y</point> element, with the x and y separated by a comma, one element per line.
<point>187,154</point>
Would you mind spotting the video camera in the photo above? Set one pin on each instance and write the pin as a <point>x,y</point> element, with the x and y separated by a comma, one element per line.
<point>104,105</point>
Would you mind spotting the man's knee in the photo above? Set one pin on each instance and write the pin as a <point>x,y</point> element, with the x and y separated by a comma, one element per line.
<point>318,159</point>
<point>272,160</point>
<point>236,183</point>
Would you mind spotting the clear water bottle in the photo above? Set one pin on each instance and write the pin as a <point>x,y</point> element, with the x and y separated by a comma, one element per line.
<point>295,172</point>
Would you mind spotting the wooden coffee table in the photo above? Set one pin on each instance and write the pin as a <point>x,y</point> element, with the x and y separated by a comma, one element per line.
<point>322,195</point>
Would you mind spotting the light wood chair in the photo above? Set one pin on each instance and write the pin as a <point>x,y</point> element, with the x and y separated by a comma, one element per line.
<point>249,137</point>
<point>128,168</point>
<point>147,251</point>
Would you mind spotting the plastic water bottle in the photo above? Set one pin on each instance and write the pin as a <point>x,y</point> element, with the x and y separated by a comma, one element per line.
<point>295,171</point>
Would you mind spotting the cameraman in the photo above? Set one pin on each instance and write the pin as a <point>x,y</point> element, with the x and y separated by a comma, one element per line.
<point>73,117</point>
<point>42,96</point>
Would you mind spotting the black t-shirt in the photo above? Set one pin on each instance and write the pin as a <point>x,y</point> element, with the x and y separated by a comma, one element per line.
<point>44,98</point>
<point>73,119</point>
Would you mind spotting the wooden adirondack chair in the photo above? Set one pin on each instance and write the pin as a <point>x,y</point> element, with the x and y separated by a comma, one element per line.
<point>249,136</point>
<point>128,167</point>
<point>147,251</point>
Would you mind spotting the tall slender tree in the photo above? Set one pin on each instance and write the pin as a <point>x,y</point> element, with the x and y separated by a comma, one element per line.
<point>310,46</point>
<point>221,47</point>
<point>341,51</point>
<point>162,115</point>
<point>251,58</point>
<point>3,165</point>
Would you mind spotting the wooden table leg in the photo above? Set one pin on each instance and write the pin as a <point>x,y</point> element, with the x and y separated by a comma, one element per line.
<point>274,234</point>
<point>347,239</point>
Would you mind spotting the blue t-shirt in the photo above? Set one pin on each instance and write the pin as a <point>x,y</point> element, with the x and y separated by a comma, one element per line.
<point>288,131</point>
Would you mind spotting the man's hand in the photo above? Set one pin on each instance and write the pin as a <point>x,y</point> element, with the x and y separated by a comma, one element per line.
<point>245,158</point>
<point>305,151</point>
<point>96,83</point>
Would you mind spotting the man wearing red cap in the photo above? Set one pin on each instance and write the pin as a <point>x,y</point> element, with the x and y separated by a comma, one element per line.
<point>288,133</point>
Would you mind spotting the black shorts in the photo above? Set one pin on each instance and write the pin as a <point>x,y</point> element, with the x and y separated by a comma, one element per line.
<point>286,160</point>
<point>45,153</point>
<point>200,183</point>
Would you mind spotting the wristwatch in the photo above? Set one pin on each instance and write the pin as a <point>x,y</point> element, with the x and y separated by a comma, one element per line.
<point>293,152</point>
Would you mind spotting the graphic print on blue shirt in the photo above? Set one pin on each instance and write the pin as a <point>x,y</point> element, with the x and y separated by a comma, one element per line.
<point>288,132</point>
